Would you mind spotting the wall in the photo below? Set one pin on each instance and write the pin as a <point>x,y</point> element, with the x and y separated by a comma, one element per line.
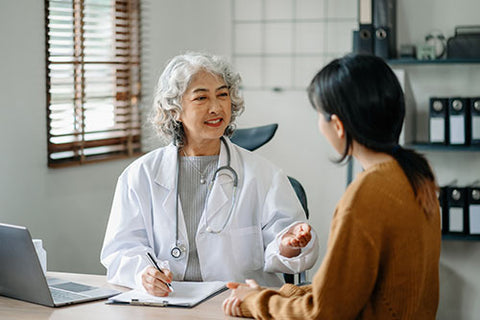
<point>69,207</point>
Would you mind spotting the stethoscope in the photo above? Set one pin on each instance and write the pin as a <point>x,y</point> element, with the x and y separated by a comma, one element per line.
<point>179,249</point>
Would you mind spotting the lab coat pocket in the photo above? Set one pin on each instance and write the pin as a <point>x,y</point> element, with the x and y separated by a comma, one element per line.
<point>247,246</point>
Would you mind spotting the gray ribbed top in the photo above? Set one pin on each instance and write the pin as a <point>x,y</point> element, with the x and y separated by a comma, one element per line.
<point>192,197</point>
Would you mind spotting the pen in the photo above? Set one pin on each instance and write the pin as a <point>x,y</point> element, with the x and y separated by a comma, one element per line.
<point>154,263</point>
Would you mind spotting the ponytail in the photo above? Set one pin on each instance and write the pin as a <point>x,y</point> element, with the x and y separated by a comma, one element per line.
<point>420,176</point>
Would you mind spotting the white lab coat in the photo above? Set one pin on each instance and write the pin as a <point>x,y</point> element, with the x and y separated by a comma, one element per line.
<point>142,219</point>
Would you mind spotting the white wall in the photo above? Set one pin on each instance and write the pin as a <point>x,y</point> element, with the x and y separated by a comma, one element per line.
<point>70,212</point>
<point>68,208</point>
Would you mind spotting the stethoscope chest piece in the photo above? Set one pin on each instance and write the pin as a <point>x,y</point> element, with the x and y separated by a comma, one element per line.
<point>177,251</point>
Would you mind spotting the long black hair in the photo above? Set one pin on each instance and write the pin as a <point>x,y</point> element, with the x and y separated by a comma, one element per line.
<point>366,96</point>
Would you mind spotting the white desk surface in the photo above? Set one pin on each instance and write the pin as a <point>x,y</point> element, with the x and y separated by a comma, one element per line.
<point>19,310</point>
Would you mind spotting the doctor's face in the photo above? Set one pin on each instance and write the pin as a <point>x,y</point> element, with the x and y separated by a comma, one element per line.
<point>206,109</point>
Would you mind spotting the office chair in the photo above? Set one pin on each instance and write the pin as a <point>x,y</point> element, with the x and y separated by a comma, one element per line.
<point>302,196</point>
<point>252,139</point>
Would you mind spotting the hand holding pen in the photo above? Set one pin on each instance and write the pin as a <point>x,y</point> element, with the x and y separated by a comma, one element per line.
<point>155,280</point>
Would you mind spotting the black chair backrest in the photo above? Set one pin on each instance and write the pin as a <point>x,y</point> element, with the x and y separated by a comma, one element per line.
<point>302,196</point>
<point>253,138</point>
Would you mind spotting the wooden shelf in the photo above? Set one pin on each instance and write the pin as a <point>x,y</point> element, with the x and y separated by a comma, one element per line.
<point>424,146</point>
<point>460,237</point>
<point>412,61</point>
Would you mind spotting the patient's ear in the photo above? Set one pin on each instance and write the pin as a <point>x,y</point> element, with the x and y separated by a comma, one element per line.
<point>338,126</point>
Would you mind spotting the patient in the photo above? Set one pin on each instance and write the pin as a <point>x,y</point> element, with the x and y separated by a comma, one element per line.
<point>383,250</point>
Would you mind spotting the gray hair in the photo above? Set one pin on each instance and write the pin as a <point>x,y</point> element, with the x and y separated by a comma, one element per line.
<point>175,80</point>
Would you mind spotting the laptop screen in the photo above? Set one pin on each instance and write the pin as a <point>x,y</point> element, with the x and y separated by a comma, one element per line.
<point>21,275</point>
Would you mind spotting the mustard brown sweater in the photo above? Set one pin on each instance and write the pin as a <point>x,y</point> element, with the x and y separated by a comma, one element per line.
<point>381,262</point>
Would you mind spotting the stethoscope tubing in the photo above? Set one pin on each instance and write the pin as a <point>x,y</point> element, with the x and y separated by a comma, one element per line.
<point>176,251</point>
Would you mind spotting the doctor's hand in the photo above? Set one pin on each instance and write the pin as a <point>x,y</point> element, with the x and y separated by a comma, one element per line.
<point>231,305</point>
<point>155,282</point>
<point>294,239</point>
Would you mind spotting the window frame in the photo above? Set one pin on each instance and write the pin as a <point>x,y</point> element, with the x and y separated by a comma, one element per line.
<point>122,138</point>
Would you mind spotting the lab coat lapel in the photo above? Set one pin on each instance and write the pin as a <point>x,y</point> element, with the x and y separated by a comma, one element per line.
<point>220,199</point>
<point>166,174</point>
<point>166,177</point>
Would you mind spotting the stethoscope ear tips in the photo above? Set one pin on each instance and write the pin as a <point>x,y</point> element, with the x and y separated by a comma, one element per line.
<point>209,229</point>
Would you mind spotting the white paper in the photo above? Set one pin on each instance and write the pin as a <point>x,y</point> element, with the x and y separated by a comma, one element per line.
<point>474,219</point>
<point>455,220</point>
<point>186,294</point>
<point>441,218</point>
<point>475,127</point>
<point>457,129</point>
<point>437,130</point>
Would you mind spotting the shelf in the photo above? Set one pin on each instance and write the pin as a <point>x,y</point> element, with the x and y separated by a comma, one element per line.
<point>405,61</point>
<point>460,237</point>
<point>440,147</point>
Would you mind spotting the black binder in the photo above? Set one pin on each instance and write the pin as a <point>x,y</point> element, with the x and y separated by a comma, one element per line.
<point>473,197</point>
<point>456,209</point>
<point>442,199</point>
<point>438,121</point>
<point>384,24</point>
<point>458,121</point>
<point>363,38</point>
<point>475,121</point>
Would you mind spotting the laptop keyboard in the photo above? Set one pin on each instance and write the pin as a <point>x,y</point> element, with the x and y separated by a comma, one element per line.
<point>71,286</point>
<point>60,296</point>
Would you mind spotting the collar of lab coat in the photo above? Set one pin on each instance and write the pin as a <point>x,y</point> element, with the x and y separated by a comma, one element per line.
<point>167,170</point>
<point>218,201</point>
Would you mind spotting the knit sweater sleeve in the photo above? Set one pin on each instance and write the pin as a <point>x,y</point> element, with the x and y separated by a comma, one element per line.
<point>341,286</point>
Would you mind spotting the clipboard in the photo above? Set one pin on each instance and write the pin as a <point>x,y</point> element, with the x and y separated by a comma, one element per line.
<point>186,295</point>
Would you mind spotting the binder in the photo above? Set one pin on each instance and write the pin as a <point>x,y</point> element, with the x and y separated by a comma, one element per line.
<point>438,121</point>
<point>384,24</point>
<point>363,42</point>
<point>475,121</point>
<point>363,39</point>
<point>442,199</point>
<point>473,194</point>
<point>381,42</point>
<point>458,121</point>
<point>456,209</point>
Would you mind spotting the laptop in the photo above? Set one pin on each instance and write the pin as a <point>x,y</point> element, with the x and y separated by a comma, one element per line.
<point>22,277</point>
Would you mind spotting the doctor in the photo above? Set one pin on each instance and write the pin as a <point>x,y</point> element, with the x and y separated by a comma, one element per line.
<point>212,210</point>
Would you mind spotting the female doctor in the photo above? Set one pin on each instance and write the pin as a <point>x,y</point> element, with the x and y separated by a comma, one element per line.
<point>212,210</point>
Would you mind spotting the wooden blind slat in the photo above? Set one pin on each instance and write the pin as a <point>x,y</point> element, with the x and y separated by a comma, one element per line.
<point>93,80</point>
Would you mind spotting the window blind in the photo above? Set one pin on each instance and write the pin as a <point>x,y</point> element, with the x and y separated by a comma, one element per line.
<point>93,80</point>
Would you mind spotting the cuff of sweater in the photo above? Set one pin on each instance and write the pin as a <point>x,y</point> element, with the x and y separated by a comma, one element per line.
<point>256,303</point>
<point>290,290</point>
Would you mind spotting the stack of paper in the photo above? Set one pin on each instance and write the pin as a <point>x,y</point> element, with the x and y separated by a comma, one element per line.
<point>186,294</point>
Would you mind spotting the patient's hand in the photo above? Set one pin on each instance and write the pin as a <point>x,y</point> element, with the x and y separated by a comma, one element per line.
<point>231,305</point>
<point>294,239</point>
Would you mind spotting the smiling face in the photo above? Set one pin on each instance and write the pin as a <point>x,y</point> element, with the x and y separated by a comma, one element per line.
<point>206,111</point>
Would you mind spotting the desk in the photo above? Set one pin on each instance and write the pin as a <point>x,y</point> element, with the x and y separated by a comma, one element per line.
<point>19,310</point>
